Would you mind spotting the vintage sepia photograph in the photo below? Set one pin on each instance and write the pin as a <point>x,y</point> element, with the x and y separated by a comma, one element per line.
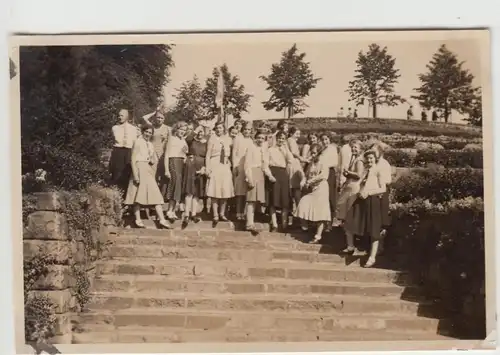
<point>308,187</point>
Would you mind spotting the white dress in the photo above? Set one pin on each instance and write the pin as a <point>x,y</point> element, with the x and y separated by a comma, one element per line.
<point>315,205</point>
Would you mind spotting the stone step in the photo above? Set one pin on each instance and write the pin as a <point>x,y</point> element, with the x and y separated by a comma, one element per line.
<point>108,334</point>
<point>161,284</point>
<point>196,269</point>
<point>299,304</point>
<point>246,320</point>
<point>139,251</point>
<point>151,224</point>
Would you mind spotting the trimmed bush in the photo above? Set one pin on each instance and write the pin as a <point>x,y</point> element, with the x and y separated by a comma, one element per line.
<point>438,185</point>
<point>401,157</point>
<point>450,158</point>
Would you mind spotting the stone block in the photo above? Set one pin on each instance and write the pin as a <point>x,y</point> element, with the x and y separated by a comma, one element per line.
<point>49,201</point>
<point>60,250</point>
<point>46,225</point>
<point>62,339</point>
<point>62,299</point>
<point>63,324</point>
<point>151,320</point>
<point>77,251</point>
<point>58,278</point>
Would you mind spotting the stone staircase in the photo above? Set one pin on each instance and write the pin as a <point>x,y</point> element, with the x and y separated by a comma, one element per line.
<point>205,284</point>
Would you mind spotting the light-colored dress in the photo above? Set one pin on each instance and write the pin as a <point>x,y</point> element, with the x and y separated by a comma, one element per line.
<point>256,168</point>
<point>217,163</point>
<point>159,141</point>
<point>350,188</point>
<point>295,171</point>
<point>240,148</point>
<point>146,193</point>
<point>314,206</point>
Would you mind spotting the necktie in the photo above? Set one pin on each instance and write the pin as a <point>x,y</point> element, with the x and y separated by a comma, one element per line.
<point>125,135</point>
<point>365,178</point>
<point>222,153</point>
<point>351,162</point>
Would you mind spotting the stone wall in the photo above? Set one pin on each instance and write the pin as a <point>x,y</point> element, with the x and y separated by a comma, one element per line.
<point>47,232</point>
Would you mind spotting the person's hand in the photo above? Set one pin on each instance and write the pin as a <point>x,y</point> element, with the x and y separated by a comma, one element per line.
<point>272,179</point>
<point>136,181</point>
<point>345,173</point>
<point>167,174</point>
<point>235,171</point>
<point>363,195</point>
<point>250,184</point>
<point>302,183</point>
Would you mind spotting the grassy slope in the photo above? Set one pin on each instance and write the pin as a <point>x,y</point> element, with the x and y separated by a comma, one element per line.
<point>363,125</point>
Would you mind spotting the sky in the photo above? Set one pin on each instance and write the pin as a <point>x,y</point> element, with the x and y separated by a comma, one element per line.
<point>332,60</point>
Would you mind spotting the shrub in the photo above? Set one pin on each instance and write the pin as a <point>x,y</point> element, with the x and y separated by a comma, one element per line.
<point>428,146</point>
<point>444,244</point>
<point>400,157</point>
<point>438,185</point>
<point>65,169</point>
<point>472,147</point>
<point>451,158</point>
<point>39,311</point>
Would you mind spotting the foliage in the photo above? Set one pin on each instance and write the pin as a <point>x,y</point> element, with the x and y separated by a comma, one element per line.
<point>475,110</point>
<point>444,248</point>
<point>438,185</point>
<point>451,158</point>
<point>400,158</point>
<point>65,169</point>
<point>289,82</point>
<point>387,126</point>
<point>235,100</point>
<point>189,105</point>
<point>39,313</point>
<point>70,94</point>
<point>82,285</point>
<point>446,85</point>
<point>375,78</point>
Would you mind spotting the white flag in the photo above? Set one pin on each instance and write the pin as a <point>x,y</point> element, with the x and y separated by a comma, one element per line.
<point>219,97</point>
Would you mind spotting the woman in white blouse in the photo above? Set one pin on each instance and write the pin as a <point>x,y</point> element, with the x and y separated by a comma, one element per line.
<point>220,180</point>
<point>175,155</point>
<point>256,166</point>
<point>364,218</point>
<point>330,158</point>
<point>143,189</point>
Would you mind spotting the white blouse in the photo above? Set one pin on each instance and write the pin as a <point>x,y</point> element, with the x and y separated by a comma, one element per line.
<point>256,157</point>
<point>125,135</point>
<point>330,157</point>
<point>143,151</point>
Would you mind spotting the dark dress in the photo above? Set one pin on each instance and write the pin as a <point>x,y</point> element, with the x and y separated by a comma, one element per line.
<point>332,184</point>
<point>195,184</point>
<point>364,218</point>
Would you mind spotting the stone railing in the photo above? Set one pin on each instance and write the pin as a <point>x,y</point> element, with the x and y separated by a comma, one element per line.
<point>48,232</point>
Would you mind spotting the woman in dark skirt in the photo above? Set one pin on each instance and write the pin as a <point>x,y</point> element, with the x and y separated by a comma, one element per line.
<point>364,218</point>
<point>194,178</point>
<point>330,159</point>
<point>278,197</point>
<point>175,155</point>
<point>386,173</point>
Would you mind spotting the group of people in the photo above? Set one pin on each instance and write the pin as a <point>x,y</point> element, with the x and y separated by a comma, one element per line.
<point>319,185</point>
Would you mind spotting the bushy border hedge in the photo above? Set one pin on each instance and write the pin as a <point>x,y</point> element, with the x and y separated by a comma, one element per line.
<point>444,243</point>
<point>438,185</point>
<point>446,158</point>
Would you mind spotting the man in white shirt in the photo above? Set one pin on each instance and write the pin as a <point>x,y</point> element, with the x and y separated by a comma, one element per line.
<point>344,157</point>
<point>124,135</point>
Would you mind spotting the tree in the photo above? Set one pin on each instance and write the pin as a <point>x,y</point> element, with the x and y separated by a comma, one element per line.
<point>235,102</point>
<point>189,105</point>
<point>475,111</point>
<point>70,94</point>
<point>375,78</point>
<point>446,85</point>
<point>290,82</point>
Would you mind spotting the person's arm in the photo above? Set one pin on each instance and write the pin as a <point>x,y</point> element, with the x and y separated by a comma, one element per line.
<point>168,150</point>
<point>265,165</point>
<point>294,149</point>
<point>358,171</point>
<point>210,145</point>
<point>323,175</point>
<point>334,156</point>
<point>305,152</point>
<point>236,147</point>
<point>248,163</point>
<point>115,134</point>
<point>133,162</point>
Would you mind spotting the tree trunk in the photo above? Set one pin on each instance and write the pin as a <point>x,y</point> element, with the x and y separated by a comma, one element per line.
<point>446,113</point>
<point>290,111</point>
<point>374,110</point>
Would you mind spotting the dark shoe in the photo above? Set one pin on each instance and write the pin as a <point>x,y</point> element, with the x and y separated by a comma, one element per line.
<point>273,229</point>
<point>215,221</point>
<point>185,222</point>
<point>196,219</point>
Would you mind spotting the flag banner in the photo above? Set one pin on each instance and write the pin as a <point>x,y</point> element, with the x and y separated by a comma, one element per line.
<point>219,98</point>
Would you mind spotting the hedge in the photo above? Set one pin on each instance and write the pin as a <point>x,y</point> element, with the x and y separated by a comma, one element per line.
<point>363,125</point>
<point>446,158</point>
<point>444,244</point>
<point>438,185</point>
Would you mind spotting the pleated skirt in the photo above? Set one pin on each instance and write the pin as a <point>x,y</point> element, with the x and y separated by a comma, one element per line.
<point>174,187</point>
<point>278,193</point>
<point>258,192</point>
<point>364,218</point>
<point>220,183</point>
